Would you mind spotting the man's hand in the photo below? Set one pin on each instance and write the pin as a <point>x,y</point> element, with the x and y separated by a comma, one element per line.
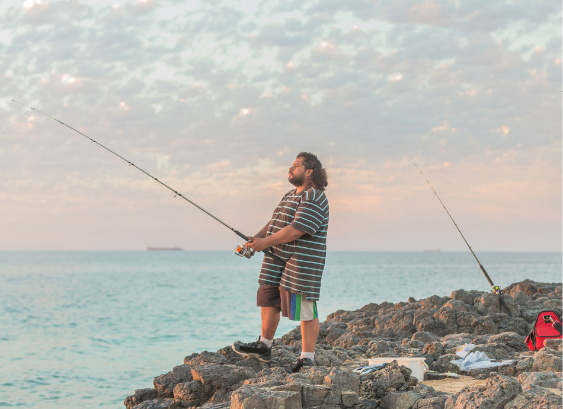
<point>256,243</point>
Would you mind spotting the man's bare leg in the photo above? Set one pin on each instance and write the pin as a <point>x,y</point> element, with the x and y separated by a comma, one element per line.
<point>309,334</point>
<point>270,321</point>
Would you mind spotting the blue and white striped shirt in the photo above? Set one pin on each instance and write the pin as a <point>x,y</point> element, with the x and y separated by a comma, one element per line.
<point>305,257</point>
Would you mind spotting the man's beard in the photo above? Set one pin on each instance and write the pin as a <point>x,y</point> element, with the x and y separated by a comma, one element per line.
<point>296,180</point>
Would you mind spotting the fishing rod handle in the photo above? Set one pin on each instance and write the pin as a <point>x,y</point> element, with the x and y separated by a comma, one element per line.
<point>268,252</point>
<point>505,306</point>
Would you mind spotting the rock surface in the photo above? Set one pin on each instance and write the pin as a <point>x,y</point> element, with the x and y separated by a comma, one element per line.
<point>431,328</point>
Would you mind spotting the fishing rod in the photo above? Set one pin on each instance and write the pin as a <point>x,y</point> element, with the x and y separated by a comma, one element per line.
<point>496,289</point>
<point>240,250</point>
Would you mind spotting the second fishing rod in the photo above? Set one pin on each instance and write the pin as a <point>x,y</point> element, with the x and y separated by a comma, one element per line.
<point>240,250</point>
<point>495,288</point>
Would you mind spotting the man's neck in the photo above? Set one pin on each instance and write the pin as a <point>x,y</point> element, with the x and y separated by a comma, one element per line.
<point>304,187</point>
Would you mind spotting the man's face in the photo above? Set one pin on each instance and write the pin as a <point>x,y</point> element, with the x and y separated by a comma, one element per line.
<point>297,173</point>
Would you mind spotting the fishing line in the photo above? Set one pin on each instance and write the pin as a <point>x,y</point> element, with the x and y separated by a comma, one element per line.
<point>269,253</point>
<point>152,293</point>
<point>496,289</point>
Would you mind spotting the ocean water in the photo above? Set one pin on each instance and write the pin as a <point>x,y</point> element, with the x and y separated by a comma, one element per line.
<point>85,329</point>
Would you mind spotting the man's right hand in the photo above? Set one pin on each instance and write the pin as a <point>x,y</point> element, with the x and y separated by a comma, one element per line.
<point>249,242</point>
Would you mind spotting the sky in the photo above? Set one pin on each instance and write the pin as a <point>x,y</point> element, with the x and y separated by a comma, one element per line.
<point>216,98</point>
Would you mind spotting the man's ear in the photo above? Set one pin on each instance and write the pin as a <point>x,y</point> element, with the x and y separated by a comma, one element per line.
<point>308,172</point>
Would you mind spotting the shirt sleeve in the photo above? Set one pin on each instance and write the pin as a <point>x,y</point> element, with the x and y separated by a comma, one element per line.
<point>309,215</point>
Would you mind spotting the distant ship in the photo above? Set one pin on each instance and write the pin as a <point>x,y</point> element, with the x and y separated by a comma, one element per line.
<point>177,248</point>
<point>431,250</point>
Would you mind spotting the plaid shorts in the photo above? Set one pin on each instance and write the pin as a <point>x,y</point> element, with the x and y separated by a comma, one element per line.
<point>296,307</point>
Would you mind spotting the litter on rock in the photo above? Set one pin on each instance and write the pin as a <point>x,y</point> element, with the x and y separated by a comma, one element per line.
<point>478,360</point>
<point>362,370</point>
<point>464,350</point>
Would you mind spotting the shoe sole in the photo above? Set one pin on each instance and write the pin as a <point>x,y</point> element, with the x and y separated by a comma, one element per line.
<point>251,355</point>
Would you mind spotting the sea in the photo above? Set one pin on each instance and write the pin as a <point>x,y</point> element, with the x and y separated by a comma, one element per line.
<point>85,329</point>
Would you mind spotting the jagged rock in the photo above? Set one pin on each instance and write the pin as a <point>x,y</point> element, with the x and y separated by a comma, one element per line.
<point>527,287</point>
<point>447,319</point>
<point>456,305</point>
<point>371,307</point>
<point>554,344</point>
<point>219,377</point>
<point>508,370</point>
<point>434,349</point>
<point>495,394</point>
<point>164,384</point>
<point>433,302</point>
<point>511,339</point>
<point>155,404</point>
<point>424,321</point>
<point>295,334</point>
<point>521,298</point>
<point>314,395</point>
<point>366,403</point>
<point>251,397</point>
<point>214,405</point>
<point>444,364</point>
<point>399,322</point>
<point>481,339</point>
<point>140,396</point>
<point>545,379</point>
<point>189,391</point>
<point>231,356</point>
<point>205,358</point>
<point>350,398</point>
<point>525,365</point>
<point>254,363</point>
<point>283,356</point>
<point>347,341</point>
<point>429,398</point>
<point>536,398</point>
<point>436,402</point>
<point>339,381</point>
<point>333,333</point>
<point>399,400</point>
<point>492,351</point>
<point>391,378</point>
<point>403,329</point>
<point>326,358</point>
<point>489,303</point>
<point>466,297</point>
<point>425,337</point>
<point>377,348</point>
<point>547,360</point>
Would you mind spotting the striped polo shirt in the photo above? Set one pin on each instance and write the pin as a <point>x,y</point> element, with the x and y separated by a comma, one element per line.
<point>305,257</point>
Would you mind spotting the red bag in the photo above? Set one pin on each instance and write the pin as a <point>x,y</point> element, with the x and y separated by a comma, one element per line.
<point>548,326</point>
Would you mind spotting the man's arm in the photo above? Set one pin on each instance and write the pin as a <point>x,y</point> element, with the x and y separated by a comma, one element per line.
<point>285,235</point>
<point>262,233</point>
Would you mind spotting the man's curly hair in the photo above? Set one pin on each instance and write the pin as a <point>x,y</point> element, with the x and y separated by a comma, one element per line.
<point>320,177</point>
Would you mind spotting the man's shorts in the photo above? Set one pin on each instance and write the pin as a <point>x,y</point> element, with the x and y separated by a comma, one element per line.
<point>296,307</point>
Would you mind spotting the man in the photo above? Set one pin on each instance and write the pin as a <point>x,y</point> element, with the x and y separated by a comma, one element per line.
<point>297,234</point>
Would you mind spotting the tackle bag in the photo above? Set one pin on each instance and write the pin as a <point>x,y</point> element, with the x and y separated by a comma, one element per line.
<point>547,326</point>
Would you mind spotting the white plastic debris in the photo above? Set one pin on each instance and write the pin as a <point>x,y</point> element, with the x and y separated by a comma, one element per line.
<point>464,350</point>
<point>478,360</point>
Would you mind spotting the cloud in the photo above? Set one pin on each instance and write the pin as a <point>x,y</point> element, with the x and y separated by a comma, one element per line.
<point>209,92</point>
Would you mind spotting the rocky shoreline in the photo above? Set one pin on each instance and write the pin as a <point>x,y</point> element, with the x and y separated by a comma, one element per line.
<point>432,328</point>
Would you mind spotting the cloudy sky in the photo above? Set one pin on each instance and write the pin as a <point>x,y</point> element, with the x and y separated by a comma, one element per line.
<point>217,97</point>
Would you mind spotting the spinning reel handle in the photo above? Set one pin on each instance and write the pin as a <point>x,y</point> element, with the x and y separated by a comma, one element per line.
<point>267,251</point>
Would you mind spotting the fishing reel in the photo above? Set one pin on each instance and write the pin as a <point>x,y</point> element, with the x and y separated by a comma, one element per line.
<point>242,251</point>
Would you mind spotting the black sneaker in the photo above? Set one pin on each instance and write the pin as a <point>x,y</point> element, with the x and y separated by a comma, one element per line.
<point>254,349</point>
<point>300,363</point>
